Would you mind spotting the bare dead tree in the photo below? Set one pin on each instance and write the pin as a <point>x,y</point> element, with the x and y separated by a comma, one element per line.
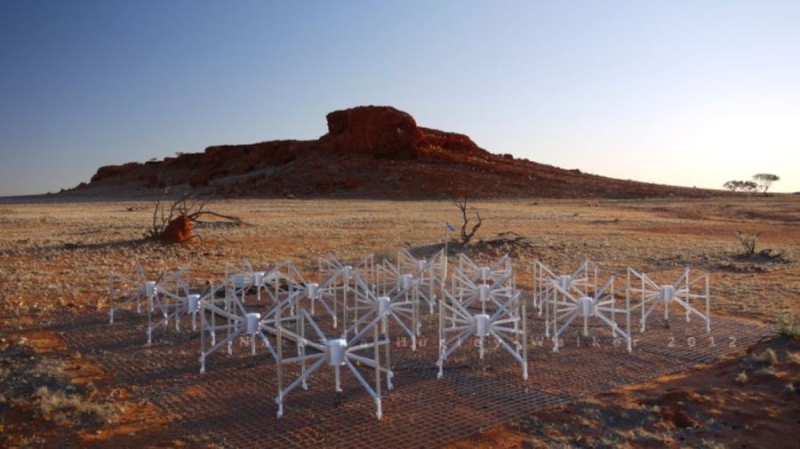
<point>185,205</point>
<point>748,242</point>
<point>461,204</point>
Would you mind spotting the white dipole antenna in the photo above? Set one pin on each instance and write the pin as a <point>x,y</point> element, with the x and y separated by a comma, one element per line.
<point>446,236</point>
<point>236,320</point>
<point>126,290</point>
<point>169,298</point>
<point>571,304</point>
<point>336,352</point>
<point>653,295</point>
<point>448,228</point>
<point>502,326</point>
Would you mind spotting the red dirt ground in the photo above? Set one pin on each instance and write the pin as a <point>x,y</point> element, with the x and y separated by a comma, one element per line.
<point>710,406</point>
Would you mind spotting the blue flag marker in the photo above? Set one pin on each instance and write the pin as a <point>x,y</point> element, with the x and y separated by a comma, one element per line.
<point>450,227</point>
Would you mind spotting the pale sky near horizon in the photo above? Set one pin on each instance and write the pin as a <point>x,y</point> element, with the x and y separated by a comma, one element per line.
<point>690,93</point>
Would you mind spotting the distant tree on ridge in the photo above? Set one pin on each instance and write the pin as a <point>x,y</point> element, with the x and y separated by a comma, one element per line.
<point>740,186</point>
<point>765,180</point>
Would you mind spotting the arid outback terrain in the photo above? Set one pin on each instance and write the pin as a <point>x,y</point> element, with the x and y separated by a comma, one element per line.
<point>68,378</point>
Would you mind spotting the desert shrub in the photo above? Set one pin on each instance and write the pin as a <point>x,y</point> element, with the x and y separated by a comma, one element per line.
<point>788,325</point>
<point>67,408</point>
<point>388,255</point>
<point>748,242</point>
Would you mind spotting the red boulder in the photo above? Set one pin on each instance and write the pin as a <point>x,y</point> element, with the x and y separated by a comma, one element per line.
<point>178,230</point>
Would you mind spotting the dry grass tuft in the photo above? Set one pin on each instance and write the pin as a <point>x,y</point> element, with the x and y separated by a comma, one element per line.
<point>742,378</point>
<point>710,444</point>
<point>768,372</point>
<point>770,357</point>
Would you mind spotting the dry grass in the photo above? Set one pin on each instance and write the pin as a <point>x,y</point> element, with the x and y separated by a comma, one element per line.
<point>69,409</point>
<point>39,393</point>
<point>769,357</point>
<point>57,258</point>
<point>710,444</point>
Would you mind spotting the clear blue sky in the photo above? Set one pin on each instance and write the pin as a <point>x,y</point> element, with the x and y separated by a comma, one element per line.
<point>690,93</point>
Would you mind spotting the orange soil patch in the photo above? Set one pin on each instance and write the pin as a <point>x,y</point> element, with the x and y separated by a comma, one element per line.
<point>710,406</point>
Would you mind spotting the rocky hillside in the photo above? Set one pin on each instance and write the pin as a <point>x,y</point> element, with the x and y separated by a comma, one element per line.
<point>368,152</point>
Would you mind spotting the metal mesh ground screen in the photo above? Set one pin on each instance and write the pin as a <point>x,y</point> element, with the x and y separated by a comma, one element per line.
<point>233,403</point>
